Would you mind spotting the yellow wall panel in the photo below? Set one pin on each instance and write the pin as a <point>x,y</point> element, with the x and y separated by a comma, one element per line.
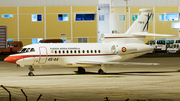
<point>11,24</point>
<point>59,9</point>
<point>166,9</point>
<point>84,9</point>
<point>29,29</point>
<point>26,41</point>
<point>92,40</point>
<point>8,10</point>
<point>165,27</point>
<point>85,28</point>
<point>32,10</point>
<point>75,40</point>
<point>54,27</point>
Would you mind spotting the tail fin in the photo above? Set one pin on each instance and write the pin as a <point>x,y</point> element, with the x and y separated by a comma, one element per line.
<point>141,24</point>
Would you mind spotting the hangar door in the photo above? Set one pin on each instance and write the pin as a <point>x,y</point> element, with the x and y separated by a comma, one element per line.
<point>3,37</point>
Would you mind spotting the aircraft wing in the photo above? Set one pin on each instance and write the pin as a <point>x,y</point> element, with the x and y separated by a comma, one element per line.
<point>149,34</point>
<point>114,63</point>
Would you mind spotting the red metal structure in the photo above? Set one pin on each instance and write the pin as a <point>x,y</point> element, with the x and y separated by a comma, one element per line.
<point>12,47</point>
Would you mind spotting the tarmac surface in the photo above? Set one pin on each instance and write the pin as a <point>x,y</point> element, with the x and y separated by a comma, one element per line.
<point>122,82</point>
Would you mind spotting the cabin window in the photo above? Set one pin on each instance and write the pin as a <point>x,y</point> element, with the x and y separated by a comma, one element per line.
<point>20,45</point>
<point>63,51</point>
<point>99,51</point>
<point>87,51</point>
<point>71,51</point>
<point>74,51</point>
<point>91,51</point>
<point>59,52</point>
<point>67,51</point>
<point>79,51</point>
<point>55,51</point>
<point>95,51</point>
<point>15,45</point>
<point>83,51</point>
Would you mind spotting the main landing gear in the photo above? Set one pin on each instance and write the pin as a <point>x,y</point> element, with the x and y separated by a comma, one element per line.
<point>81,70</point>
<point>31,68</point>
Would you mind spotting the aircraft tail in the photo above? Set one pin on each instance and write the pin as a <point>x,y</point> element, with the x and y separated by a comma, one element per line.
<point>142,22</point>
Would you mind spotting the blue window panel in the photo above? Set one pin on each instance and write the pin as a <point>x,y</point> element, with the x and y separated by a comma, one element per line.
<point>121,17</point>
<point>172,17</point>
<point>39,17</point>
<point>134,17</point>
<point>34,41</point>
<point>64,40</point>
<point>36,17</point>
<point>150,18</point>
<point>63,17</point>
<point>7,16</point>
<point>85,17</point>
<point>161,17</point>
<point>10,40</point>
<point>60,17</point>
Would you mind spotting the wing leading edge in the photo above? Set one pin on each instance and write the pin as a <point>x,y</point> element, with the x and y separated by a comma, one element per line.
<point>114,63</point>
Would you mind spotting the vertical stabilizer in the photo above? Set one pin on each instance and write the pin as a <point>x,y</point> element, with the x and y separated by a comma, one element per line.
<point>142,22</point>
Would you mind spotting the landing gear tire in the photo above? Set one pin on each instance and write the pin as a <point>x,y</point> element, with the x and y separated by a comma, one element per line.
<point>30,74</point>
<point>100,71</point>
<point>81,70</point>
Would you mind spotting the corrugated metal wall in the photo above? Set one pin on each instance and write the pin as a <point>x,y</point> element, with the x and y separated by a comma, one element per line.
<point>141,3</point>
<point>14,3</point>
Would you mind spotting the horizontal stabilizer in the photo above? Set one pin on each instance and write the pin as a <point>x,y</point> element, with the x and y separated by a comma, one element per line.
<point>149,34</point>
<point>114,63</point>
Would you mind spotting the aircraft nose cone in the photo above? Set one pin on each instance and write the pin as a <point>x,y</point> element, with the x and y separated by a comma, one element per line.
<point>12,59</point>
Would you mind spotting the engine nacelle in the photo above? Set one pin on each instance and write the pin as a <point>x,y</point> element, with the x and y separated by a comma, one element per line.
<point>123,49</point>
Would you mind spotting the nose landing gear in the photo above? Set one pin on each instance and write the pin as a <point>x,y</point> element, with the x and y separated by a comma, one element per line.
<point>31,68</point>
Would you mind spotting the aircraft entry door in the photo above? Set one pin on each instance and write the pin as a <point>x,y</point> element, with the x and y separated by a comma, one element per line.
<point>42,55</point>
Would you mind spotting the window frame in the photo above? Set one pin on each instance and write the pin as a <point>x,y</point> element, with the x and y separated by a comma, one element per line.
<point>124,17</point>
<point>132,17</point>
<point>62,17</point>
<point>36,19</point>
<point>171,20</point>
<point>82,40</point>
<point>9,15</point>
<point>85,13</point>
<point>103,18</point>
<point>163,17</point>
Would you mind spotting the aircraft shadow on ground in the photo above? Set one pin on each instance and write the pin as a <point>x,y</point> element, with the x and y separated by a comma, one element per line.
<point>136,73</point>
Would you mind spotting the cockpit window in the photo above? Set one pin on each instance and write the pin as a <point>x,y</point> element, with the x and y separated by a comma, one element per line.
<point>32,50</point>
<point>28,50</point>
<point>23,50</point>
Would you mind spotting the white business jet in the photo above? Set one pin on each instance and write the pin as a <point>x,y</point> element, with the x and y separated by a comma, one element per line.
<point>114,49</point>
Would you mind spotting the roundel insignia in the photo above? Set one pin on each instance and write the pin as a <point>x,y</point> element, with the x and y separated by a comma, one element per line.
<point>123,49</point>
